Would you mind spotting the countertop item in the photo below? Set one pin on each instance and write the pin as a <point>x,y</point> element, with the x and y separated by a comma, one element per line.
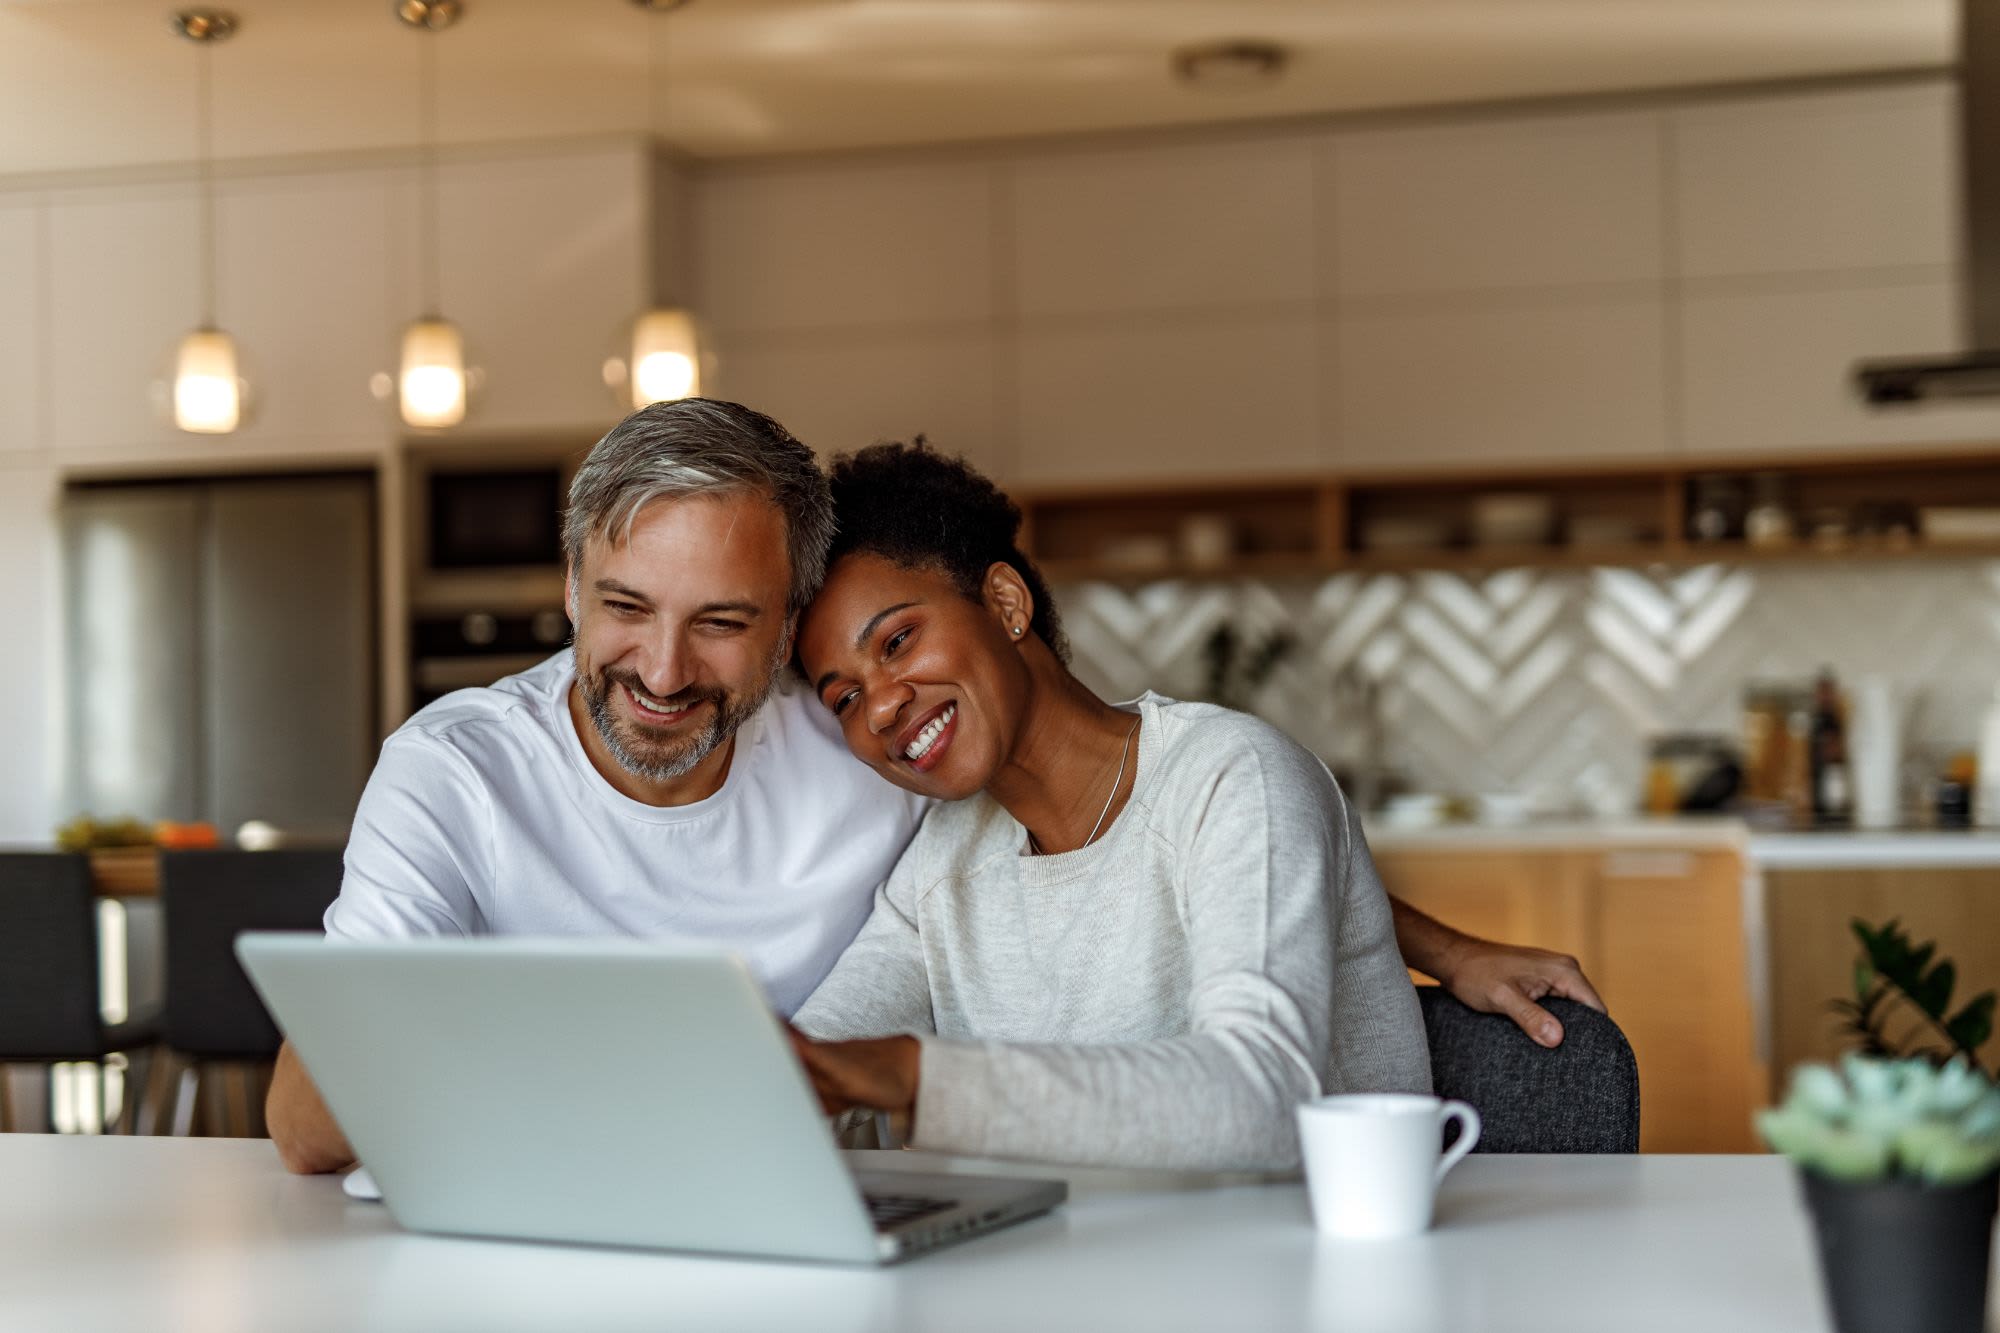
<point>212,1234</point>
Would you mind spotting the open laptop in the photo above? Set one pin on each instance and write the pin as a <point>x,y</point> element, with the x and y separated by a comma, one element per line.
<point>603,1091</point>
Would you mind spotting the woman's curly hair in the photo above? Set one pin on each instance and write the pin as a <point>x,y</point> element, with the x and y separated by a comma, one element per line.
<point>913,506</point>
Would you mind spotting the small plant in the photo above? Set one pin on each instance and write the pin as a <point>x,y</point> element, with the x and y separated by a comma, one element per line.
<point>1874,1119</point>
<point>1892,971</point>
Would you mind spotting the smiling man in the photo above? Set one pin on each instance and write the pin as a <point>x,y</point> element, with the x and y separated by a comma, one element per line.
<point>665,778</point>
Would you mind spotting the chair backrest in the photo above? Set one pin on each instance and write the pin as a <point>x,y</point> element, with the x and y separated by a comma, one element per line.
<point>207,899</point>
<point>48,958</point>
<point>1581,1097</point>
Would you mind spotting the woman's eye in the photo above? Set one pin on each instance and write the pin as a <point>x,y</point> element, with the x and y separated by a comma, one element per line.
<point>896,641</point>
<point>840,704</point>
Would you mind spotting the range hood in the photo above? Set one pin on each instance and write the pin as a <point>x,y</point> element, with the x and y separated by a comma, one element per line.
<point>1973,374</point>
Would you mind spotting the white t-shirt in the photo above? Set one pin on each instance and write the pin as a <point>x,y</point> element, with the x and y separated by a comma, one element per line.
<point>484,816</point>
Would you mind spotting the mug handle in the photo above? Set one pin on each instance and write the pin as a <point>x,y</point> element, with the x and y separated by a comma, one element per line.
<point>1468,1133</point>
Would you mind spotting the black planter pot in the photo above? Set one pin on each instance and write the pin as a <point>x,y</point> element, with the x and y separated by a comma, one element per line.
<point>1901,1257</point>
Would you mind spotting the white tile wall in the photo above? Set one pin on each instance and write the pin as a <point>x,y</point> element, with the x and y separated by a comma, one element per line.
<point>1551,682</point>
<point>1170,397</point>
<point>834,249</point>
<point>1164,227</point>
<point>1851,179</point>
<point>1514,380</point>
<point>21,331</point>
<point>1513,204</point>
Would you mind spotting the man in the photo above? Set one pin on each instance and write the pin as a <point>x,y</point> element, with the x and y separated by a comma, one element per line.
<point>666,778</point>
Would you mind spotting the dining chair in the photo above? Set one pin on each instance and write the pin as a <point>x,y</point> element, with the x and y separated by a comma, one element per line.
<point>51,997</point>
<point>215,1024</point>
<point>1581,1097</point>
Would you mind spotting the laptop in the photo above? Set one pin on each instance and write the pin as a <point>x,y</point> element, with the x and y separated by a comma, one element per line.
<point>613,1092</point>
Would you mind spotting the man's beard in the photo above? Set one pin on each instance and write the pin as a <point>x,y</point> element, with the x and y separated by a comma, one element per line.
<point>664,760</point>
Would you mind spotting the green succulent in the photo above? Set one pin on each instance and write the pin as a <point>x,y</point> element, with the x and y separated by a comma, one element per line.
<point>1874,1119</point>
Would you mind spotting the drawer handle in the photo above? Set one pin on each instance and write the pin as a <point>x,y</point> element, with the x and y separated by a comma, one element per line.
<point>1648,865</point>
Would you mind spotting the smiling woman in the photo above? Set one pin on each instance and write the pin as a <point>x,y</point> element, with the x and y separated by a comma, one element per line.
<point>1134,935</point>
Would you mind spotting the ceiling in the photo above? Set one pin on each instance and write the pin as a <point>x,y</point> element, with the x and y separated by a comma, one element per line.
<point>104,83</point>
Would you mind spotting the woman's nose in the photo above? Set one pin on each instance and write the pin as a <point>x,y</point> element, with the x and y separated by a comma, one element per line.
<point>885,704</point>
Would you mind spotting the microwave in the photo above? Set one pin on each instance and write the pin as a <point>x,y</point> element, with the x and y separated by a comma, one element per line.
<point>507,518</point>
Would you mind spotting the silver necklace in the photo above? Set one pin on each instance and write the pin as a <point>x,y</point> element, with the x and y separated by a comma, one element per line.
<point>1124,753</point>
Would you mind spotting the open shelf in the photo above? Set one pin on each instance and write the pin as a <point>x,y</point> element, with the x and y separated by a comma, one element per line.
<point>1843,508</point>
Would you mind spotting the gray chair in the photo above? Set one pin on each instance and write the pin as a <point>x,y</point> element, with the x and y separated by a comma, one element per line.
<point>1581,1097</point>
<point>49,980</point>
<point>215,1021</point>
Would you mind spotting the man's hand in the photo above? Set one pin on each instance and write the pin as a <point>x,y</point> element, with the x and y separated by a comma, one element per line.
<point>879,1073</point>
<point>307,1139</point>
<point>1493,978</point>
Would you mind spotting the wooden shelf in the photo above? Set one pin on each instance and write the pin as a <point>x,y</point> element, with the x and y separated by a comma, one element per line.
<point>1306,526</point>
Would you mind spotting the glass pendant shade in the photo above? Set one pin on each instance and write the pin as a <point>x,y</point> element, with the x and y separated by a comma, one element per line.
<point>666,357</point>
<point>432,383</point>
<point>208,391</point>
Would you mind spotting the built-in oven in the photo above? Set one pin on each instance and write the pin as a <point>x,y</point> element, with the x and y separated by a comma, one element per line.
<point>456,652</point>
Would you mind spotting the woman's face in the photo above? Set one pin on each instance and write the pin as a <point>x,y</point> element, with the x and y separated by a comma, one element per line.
<point>929,687</point>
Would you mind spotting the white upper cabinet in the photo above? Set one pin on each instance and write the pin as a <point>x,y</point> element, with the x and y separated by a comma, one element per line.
<point>1548,202</point>
<point>838,395</point>
<point>1160,228</point>
<point>22,336</point>
<point>1232,395</point>
<point>1860,178</point>
<point>124,276</point>
<point>833,248</point>
<point>1524,380</point>
<point>311,289</point>
<point>1772,371</point>
<point>545,261</point>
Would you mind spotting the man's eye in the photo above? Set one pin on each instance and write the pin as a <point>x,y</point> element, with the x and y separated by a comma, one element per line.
<point>727,626</point>
<point>622,608</point>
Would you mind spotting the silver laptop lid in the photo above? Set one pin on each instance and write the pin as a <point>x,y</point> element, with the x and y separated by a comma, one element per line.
<point>605,1091</point>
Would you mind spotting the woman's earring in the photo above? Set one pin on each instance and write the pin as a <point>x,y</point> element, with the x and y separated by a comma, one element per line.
<point>1017,631</point>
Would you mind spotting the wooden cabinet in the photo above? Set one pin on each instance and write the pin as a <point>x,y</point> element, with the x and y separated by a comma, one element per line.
<point>1659,931</point>
<point>1813,950</point>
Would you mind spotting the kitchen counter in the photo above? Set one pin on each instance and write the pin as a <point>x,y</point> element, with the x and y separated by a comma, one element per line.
<point>1820,849</point>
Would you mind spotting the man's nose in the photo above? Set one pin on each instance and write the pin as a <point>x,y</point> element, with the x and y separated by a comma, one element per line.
<point>669,666</point>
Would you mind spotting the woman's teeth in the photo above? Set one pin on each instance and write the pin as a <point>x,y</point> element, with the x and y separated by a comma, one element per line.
<point>926,738</point>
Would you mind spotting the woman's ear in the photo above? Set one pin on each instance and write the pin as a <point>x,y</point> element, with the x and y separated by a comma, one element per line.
<point>1007,598</point>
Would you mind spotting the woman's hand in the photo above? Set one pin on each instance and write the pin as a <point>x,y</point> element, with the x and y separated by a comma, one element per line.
<point>879,1073</point>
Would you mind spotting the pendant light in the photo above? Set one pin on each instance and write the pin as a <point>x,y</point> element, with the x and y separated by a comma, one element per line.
<point>431,384</point>
<point>208,392</point>
<point>665,360</point>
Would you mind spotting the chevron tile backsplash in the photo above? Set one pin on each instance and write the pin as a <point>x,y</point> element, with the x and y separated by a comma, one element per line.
<point>1549,683</point>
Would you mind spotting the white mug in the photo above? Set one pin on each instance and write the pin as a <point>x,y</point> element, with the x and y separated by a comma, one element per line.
<point>1374,1160</point>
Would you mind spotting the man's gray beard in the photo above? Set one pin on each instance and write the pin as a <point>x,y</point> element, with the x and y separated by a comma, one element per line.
<point>731,712</point>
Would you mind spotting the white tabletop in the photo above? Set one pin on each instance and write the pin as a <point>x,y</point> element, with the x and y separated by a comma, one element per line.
<point>212,1235</point>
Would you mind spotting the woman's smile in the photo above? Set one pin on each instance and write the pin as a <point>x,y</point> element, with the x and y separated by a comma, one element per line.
<point>922,744</point>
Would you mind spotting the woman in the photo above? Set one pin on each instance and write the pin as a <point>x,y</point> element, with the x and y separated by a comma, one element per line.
<point>1132,935</point>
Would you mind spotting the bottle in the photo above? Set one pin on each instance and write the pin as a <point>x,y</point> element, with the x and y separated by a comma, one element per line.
<point>1986,802</point>
<point>1875,752</point>
<point>1832,787</point>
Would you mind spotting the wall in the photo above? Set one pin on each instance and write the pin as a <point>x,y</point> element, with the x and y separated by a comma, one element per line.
<point>1671,278</point>
<point>547,254</point>
<point>1549,683</point>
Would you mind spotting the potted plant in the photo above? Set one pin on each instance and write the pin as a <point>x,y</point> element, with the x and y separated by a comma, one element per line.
<point>1899,1158</point>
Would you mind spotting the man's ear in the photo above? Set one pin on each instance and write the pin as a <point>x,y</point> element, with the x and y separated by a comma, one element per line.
<point>790,642</point>
<point>1006,596</point>
<point>569,593</point>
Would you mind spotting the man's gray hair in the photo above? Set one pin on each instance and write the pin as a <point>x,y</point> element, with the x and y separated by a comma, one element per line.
<point>702,446</point>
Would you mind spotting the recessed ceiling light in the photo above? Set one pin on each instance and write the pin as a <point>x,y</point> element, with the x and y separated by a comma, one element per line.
<point>1230,64</point>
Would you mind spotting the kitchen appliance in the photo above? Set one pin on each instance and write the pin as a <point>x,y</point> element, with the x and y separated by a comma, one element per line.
<point>504,519</point>
<point>219,649</point>
<point>456,652</point>
<point>1976,372</point>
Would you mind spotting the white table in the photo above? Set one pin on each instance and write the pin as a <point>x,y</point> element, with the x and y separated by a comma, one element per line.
<point>212,1236</point>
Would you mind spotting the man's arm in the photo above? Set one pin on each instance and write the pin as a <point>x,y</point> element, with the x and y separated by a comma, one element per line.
<point>306,1136</point>
<point>1493,978</point>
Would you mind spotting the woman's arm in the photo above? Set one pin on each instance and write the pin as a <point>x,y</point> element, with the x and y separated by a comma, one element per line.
<point>879,983</point>
<point>1493,978</point>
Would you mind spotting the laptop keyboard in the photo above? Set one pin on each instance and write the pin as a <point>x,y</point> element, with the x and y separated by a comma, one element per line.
<point>892,1210</point>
